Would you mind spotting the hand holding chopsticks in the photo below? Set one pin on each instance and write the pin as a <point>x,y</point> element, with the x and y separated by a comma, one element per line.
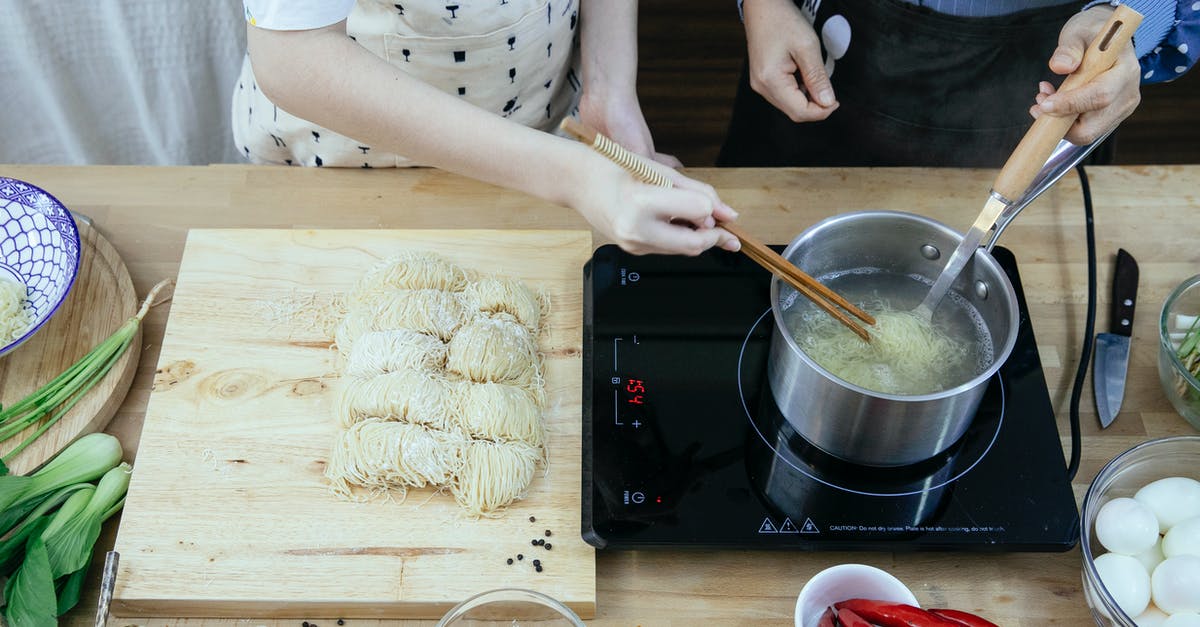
<point>641,169</point>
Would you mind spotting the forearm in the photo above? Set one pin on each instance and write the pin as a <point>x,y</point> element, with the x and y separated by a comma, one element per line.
<point>341,86</point>
<point>608,32</point>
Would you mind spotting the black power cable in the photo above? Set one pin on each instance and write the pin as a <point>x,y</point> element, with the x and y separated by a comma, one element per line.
<point>1089,328</point>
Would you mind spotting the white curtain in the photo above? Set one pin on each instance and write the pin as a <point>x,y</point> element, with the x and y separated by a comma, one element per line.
<point>118,81</point>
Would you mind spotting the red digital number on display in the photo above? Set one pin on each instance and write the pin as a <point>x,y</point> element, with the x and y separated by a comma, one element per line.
<point>636,390</point>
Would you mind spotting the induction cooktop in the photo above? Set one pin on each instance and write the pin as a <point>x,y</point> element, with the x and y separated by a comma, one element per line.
<point>683,445</point>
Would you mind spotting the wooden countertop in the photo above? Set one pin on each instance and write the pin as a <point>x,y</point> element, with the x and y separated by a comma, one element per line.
<point>1150,211</point>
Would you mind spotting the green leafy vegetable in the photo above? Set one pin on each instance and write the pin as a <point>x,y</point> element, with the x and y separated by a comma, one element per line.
<point>86,459</point>
<point>30,592</point>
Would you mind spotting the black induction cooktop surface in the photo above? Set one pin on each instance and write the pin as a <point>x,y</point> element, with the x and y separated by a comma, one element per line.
<point>683,445</point>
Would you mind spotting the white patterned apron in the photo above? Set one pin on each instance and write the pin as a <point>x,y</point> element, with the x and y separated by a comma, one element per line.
<point>514,58</point>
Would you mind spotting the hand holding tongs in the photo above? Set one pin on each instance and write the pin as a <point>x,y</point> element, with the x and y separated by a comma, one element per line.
<point>822,296</point>
<point>1041,158</point>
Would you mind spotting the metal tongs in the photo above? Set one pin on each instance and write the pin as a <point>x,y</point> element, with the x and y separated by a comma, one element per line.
<point>1042,157</point>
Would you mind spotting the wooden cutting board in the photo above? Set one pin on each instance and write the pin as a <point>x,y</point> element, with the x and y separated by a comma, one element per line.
<point>228,512</point>
<point>101,300</point>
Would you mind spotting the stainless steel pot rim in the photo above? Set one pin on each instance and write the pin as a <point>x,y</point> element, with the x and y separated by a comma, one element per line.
<point>980,255</point>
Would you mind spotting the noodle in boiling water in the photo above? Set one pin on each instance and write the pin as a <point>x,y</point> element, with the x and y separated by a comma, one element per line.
<point>906,355</point>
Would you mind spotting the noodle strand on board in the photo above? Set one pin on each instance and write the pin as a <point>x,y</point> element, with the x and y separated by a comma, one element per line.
<point>404,396</point>
<point>379,455</point>
<point>493,475</point>
<point>442,385</point>
<point>410,271</point>
<point>381,352</point>
<point>494,411</point>
<point>494,349</point>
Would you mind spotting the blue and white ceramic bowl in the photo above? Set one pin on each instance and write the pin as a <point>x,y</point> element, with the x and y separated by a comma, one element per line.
<point>39,246</point>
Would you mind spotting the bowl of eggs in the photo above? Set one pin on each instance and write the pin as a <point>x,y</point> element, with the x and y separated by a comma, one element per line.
<point>1141,536</point>
<point>39,259</point>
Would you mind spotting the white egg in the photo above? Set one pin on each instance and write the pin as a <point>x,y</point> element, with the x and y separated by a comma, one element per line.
<point>1172,500</point>
<point>1183,538</point>
<point>1152,617</point>
<point>1185,619</point>
<point>1176,584</point>
<point>1126,580</point>
<point>1126,526</point>
<point>1151,557</point>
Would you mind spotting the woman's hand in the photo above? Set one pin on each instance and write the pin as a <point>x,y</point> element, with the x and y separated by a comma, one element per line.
<point>643,218</point>
<point>1101,103</point>
<point>780,43</point>
<point>620,119</point>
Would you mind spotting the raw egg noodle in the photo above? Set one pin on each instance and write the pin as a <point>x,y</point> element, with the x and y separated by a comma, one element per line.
<point>432,312</point>
<point>510,296</point>
<point>413,396</point>
<point>494,349</point>
<point>15,319</point>
<point>381,352</point>
<point>410,271</point>
<point>907,354</point>
<point>499,412</point>
<point>383,456</point>
<point>442,385</point>
<point>493,475</point>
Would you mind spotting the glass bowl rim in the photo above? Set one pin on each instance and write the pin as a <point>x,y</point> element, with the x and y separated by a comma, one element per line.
<point>548,601</point>
<point>1164,336</point>
<point>1089,560</point>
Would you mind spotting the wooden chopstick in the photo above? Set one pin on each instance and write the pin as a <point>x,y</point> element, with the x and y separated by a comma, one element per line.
<point>751,246</point>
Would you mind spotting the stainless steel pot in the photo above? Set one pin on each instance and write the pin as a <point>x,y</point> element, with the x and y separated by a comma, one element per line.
<point>860,425</point>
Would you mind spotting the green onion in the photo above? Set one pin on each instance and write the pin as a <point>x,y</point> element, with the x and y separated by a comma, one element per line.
<point>52,401</point>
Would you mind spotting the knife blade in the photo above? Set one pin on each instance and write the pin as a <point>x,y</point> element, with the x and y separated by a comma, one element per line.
<point>1112,348</point>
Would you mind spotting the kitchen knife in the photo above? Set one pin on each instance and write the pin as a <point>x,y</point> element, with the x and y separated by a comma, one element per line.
<point>1112,348</point>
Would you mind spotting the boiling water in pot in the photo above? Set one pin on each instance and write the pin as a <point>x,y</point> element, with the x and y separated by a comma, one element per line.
<point>907,355</point>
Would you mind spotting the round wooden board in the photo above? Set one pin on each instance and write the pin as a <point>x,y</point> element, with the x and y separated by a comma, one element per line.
<point>100,301</point>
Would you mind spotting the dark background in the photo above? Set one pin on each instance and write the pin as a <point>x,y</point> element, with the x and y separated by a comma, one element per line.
<point>692,52</point>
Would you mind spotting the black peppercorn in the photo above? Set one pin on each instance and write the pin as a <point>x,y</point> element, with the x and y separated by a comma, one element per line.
<point>510,560</point>
<point>538,568</point>
<point>533,542</point>
<point>520,557</point>
<point>547,533</point>
<point>547,546</point>
<point>537,562</point>
<point>532,519</point>
<point>341,622</point>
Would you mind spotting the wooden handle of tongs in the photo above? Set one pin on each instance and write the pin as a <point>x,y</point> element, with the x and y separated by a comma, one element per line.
<point>1042,138</point>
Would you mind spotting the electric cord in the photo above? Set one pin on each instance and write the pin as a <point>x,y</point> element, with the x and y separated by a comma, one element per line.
<point>1089,327</point>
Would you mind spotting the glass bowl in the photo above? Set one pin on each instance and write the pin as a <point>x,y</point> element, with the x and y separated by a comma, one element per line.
<point>39,248</point>
<point>1179,384</point>
<point>511,607</point>
<point>1177,456</point>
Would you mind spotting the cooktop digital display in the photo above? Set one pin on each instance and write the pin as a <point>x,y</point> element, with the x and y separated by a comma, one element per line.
<point>684,446</point>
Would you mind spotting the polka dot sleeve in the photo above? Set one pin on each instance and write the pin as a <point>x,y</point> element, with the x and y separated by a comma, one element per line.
<point>1168,40</point>
<point>296,14</point>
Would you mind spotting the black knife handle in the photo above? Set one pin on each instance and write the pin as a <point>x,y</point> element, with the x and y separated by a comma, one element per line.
<point>1124,294</point>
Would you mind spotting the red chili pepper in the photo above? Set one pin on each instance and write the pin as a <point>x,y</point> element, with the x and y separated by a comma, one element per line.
<point>849,619</point>
<point>827,619</point>
<point>966,618</point>
<point>890,614</point>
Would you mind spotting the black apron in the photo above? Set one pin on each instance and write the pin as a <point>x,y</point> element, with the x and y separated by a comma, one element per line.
<point>915,87</point>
